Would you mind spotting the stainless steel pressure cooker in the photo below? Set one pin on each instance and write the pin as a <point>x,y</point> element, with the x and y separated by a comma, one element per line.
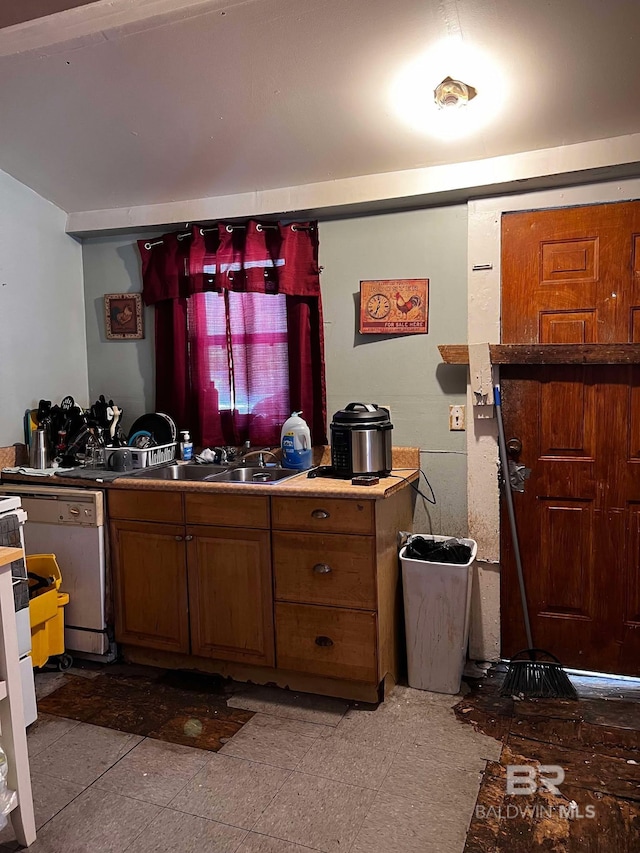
<point>361,440</point>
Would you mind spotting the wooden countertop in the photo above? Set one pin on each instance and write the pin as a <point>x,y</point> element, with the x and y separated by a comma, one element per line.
<point>406,469</point>
<point>8,555</point>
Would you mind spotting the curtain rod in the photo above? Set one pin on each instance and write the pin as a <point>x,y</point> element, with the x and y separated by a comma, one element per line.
<point>230,229</point>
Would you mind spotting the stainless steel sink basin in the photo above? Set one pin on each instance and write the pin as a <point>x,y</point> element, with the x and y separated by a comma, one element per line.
<point>248,474</point>
<point>179,472</point>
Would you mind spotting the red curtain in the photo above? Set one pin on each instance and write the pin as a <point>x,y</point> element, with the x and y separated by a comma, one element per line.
<point>239,337</point>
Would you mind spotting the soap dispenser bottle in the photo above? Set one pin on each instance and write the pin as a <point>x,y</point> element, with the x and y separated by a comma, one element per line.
<point>186,446</point>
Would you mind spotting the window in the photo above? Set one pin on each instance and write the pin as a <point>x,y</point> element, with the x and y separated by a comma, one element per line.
<point>238,346</point>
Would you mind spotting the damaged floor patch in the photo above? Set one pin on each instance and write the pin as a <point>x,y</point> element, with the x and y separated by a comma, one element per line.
<point>568,776</point>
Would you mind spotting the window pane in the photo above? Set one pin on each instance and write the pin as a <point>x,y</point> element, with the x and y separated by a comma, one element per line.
<point>243,370</point>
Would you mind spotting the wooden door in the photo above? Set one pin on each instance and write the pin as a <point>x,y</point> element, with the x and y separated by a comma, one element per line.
<point>230,592</point>
<point>150,578</point>
<point>573,276</point>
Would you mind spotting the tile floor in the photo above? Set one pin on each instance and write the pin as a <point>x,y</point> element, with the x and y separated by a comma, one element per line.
<point>305,773</point>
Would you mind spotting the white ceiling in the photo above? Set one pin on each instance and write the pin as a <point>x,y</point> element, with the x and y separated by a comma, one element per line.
<point>122,103</point>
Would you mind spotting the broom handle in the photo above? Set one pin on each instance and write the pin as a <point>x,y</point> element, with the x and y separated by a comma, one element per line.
<point>504,462</point>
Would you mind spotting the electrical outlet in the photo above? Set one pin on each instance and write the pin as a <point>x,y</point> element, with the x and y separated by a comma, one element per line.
<point>457,418</point>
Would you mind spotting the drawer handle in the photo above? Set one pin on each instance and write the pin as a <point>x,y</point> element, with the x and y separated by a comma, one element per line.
<point>321,569</point>
<point>320,513</point>
<point>188,538</point>
<point>324,641</point>
<point>179,538</point>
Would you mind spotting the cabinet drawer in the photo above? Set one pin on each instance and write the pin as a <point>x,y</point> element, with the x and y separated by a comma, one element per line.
<point>318,568</point>
<point>139,505</point>
<point>326,515</point>
<point>326,641</point>
<point>227,510</point>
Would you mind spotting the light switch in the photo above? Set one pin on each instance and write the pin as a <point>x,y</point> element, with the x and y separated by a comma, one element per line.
<point>457,418</point>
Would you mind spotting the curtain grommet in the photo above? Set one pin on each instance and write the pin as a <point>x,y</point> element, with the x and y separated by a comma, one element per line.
<point>258,227</point>
<point>229,229</point>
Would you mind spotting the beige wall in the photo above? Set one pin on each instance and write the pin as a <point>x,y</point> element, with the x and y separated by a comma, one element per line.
<point>121,370</point>
<point>42,345</point>
<point>403,372</point>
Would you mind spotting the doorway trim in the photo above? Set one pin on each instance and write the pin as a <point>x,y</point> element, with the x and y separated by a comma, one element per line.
<point>483,249</point>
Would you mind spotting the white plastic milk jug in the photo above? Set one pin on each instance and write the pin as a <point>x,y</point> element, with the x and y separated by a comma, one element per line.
<point>295,440</point>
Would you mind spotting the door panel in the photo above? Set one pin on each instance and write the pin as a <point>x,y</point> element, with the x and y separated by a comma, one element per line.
<point>573,276</point>
<point>565,549</point>
<point>150,577</point>
<point>230,594</point>
<point>567,327</point>
<point>632,579</point>
<point>567,389</point>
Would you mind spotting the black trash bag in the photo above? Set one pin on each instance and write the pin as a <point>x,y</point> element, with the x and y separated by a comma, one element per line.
<point>431,551</point>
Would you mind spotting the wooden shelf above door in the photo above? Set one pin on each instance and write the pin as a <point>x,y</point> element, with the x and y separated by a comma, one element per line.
<point>547,353</point>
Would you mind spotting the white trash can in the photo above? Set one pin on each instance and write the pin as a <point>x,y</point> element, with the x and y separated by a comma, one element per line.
<point>437,605</point>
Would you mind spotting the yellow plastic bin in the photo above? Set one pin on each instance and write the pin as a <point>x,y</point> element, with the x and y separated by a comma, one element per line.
<point>46,612</point>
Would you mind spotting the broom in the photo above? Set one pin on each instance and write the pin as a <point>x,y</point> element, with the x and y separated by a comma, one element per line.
<point>532,673</point>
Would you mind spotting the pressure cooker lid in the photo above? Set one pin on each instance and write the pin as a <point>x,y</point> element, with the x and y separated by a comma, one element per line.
<point>362,414</point>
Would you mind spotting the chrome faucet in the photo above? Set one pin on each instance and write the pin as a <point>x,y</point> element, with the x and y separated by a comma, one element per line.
<point>260,453</point>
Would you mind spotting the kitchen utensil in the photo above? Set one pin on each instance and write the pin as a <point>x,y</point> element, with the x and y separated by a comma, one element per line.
<point>39,450</point>
<point>160,427</point>
<point>119,459</point>
<point>94,454</point>
<point>361,441</point>
<point>44,408</point>
<point>30,425</point>
<point>141,439</point>
<point>172,424</point>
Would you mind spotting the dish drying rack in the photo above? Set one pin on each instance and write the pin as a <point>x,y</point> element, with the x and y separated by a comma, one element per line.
<point>146,456</point>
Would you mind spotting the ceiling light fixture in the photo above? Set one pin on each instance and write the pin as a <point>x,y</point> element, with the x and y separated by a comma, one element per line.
<point>449,109</point>
<point>453,94</point>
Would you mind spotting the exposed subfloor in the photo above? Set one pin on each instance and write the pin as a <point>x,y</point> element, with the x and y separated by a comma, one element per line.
<point>595,742</point>
<point>303,773</point>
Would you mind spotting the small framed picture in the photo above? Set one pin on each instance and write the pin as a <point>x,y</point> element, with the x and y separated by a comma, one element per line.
<point>123,316</point>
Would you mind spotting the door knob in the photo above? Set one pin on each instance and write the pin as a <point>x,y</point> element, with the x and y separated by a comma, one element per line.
<point>514,447</point>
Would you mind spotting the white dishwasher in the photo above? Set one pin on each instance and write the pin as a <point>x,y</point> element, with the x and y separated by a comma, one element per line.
<point>70,524</point>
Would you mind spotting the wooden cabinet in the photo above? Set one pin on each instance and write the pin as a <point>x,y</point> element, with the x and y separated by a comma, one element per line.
<point>335,561</point>
<point>199,589</point>
<point>150,577</point>
<point>321,568</point>
<point>230,594</point>
<point>193,577</point>
<point>323,515</point>
<point>330,641</point>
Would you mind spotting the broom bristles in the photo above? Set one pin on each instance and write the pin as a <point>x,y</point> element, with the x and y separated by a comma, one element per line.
<point>537,680</point>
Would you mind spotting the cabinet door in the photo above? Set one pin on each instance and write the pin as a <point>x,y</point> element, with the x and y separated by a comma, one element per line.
<point>150,578</point>
<point>230,594</point>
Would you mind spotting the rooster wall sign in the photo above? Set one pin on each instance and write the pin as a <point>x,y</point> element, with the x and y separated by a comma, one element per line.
<point>123,316</point>
<point>394,306</point>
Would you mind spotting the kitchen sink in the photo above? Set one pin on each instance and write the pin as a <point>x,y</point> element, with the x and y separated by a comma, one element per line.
<point>179,472</point>
<point>249,474</point>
